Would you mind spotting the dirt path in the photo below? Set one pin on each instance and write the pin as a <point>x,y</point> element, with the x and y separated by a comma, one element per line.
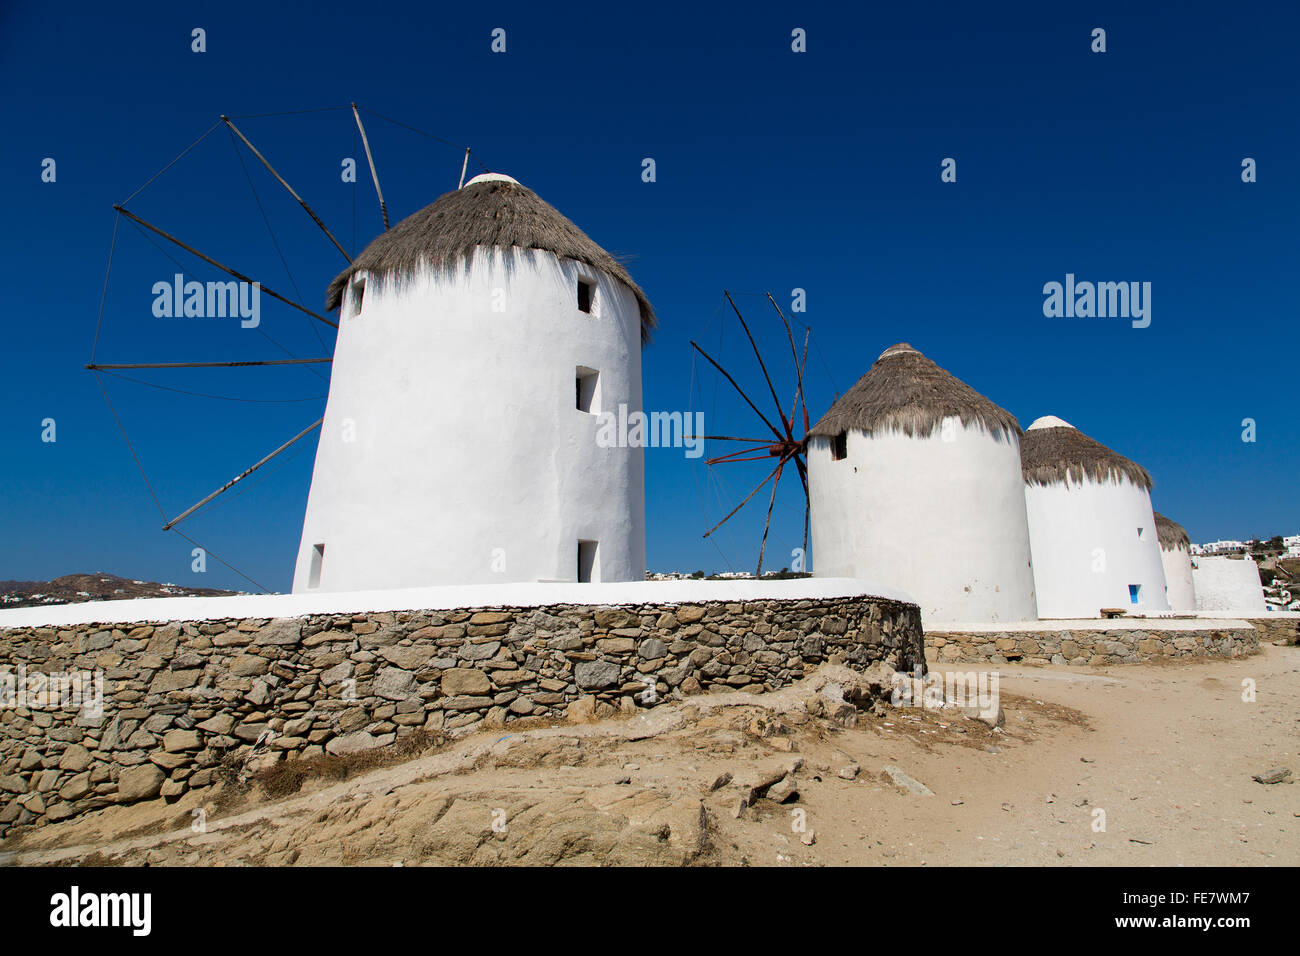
<point>1167,751</point>
<point>1169,756</point>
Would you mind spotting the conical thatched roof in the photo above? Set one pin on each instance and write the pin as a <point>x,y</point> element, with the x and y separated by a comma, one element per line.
<point>488,211</point>
<point>904,391</point>
<point>1172,535</point>
<point>1055,451</point>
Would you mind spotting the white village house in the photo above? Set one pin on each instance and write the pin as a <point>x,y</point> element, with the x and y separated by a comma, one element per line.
<point>1091,526</point>
<point>1221,547</point>
<point>1228,585</point>
<point>914,479</point>
<point>478,340</point>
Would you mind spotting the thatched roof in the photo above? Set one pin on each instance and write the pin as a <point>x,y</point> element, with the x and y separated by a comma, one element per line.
<point>1054,451</point>
<point>491,212</point>
<point>904,391</point>
<point>1172,535</point>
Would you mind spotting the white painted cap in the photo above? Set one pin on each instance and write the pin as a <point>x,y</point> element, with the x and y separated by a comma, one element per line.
<point>902,348</point>
<point>1049,421</point>
<point>492,178</point>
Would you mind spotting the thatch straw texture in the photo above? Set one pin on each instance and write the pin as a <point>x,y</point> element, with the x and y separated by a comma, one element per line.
<point>1172,535</point>
<point>1063,454</point>
<point>494,214</point>
<point>904,391</point>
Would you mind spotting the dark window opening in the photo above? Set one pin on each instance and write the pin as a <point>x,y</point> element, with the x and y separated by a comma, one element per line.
<point>358,294</point>
<point>317,559</point>
<point>586,295</point>
<point>840,446</point>
<point>586,382</point>
<point>586,561</point>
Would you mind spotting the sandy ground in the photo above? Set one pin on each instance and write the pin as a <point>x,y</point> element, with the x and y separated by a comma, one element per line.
<point>1166,751</point>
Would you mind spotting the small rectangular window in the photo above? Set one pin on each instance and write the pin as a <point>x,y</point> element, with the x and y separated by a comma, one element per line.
<point>1140,532</point>
<point>587,561</point>
<point>586,295</point>
<point>317,559</point>
<point>358,294</point>
<point>1134,593</point>
<point>588,390</point>
<point>840,446</point>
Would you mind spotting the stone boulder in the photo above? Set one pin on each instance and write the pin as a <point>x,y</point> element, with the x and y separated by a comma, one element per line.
<point>139,783</point>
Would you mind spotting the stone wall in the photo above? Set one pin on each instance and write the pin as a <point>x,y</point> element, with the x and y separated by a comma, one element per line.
<point>1272,629</point>
<point>1091,646</point>
<point>180,699</point>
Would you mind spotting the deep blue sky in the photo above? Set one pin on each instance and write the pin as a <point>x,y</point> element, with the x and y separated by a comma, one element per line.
<point>776,170</point>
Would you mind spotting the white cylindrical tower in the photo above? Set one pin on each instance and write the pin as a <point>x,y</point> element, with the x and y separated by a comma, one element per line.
<point>914,481</point>
<point>1176,558</point>
<point>1091,526</point>
<point>482,342</point>
<point>1229,585</point>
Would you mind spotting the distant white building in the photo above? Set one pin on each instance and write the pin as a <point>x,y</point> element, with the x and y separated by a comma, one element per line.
<point>1223,547</point>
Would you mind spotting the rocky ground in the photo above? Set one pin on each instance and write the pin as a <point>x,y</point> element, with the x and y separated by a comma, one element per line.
<point>1131,765</point>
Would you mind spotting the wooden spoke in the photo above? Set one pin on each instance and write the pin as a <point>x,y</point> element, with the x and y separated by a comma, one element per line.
<point>788,333</point>
<point>765,448</point>
<point>761,364</point>
<point>768,524</point>
<point>803,400</point>
<point>224,268</point>
<point>743,503</point>
<point>302,202</point>
<point>293,361</point>
<point>240,477</point>
<point>383,207</point>
<point>772,427</point>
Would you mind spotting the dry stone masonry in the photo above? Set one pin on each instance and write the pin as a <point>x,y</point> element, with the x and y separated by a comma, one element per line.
<point>183,699</point>
<point>1279,629</point>
<point>1088,647</point>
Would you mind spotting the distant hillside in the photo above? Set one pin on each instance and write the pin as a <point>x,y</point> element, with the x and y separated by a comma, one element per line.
<point>75,588</point>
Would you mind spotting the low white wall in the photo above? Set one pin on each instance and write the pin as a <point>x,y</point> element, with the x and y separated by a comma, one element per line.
<point>1198,623</point>
<point>157,610</point>
<point>1228,584</point>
